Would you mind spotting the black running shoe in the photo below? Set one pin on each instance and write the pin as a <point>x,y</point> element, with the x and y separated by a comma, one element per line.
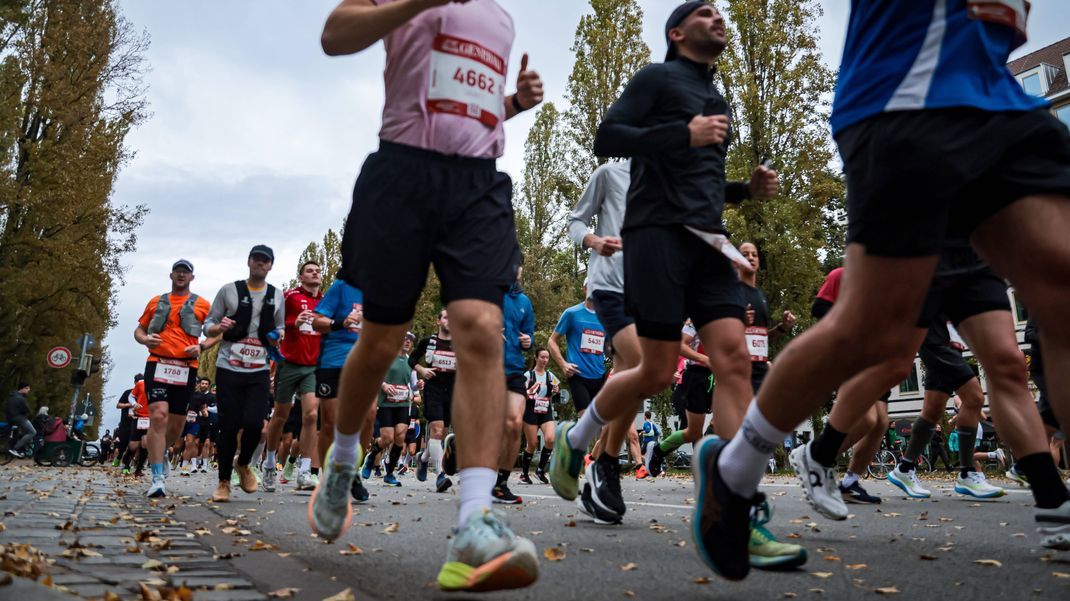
<point>449,455</point>
<point>856,494</point>
<point>655,460</point>
<point>442,483</point>
<point>604,477</point>
<point>541,475</point>
<point>503,495</point>
<point>525,479</point>
<point>357,490</point>
<point>721,523</point>
<point>587,505</point>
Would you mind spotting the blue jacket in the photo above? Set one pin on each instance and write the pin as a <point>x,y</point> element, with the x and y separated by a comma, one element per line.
<point>519,318</point>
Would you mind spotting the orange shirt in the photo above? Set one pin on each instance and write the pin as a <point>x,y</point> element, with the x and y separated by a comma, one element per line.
<point>174,339</point>
<point>141,400</point>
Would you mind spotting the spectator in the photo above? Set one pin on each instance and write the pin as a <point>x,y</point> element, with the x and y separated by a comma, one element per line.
<point>105,447</point>
<point>18,414</point>
<point>651,432</point>
<point>55,431</point>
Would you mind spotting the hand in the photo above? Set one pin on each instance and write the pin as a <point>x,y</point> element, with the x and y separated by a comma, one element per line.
<point>420,385</point>
<point>352,321</point>
<point>571,369</point>
<point>789,320</point>
<point>385,388</point>
<point>305,317</point>
<point>274,342</point>
<point>749,312</point>
<point>525,341</point>
<point>226,324</point>
<point>708,130</point>
<point>556,388</point>
<point>603,245</point>
<point>152,340</point>
<point>764,182</point>
<point>425,372</point>
<point>194,350</point>
<point>528,86</point>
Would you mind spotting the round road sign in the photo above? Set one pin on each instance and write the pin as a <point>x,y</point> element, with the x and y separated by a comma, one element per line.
<point>59,357</point>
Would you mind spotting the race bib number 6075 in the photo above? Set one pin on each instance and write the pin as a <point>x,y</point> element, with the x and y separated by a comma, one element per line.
<point>467,80</point>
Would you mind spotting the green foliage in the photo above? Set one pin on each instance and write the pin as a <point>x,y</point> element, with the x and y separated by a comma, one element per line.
<point>327,252</point>
<point>70,92</point>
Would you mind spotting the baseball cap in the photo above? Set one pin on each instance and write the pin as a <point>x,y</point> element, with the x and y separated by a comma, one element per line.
<point>182,263</point>
<point>675,19</point>
<point>261,249</point>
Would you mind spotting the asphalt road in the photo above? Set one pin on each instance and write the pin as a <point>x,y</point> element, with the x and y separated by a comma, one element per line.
<point>924,549</point>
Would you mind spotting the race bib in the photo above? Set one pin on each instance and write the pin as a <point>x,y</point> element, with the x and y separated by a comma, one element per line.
<point>306,328</point>
<point>142,423</point>
<point>444,360</point>
<point>757,343</point>
<point>191,417</point>
<point>593,342</point>
<point>1011,13</point>
<point>467,80</point>
<point>398,392</point>
<point>174,373</point>
<point>248,353</point>
<point>542,405</point>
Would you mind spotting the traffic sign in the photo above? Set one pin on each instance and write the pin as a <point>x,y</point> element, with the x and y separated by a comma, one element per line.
<point>59,357</point>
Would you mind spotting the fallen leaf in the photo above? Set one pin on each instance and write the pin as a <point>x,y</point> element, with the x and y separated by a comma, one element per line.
<point>284,554</point>
<point>995,563</point>
<point>822,574</point>
<point>794,535</point>
<point>110,596</point>
<point>1061,575</point>
<point>172,569</point>
<point>535,532</point>
<point>790,595</point>
<point>391,528</point>
<point>628,567</point>
<point>629,593</point>
<point>892,514</point>
<point>345,595</point>
<point>832,558</point>
<point>817,591</point>
<point>149,593</point>
<point>553,553</point>
<point>224,586</point>
<point>886,590</point>
<point>947,520</point>
<point>927,557</point>
<point>262,546</point>
<point>151,564</point>
<point>681,544</point>
<point>351,550</point>
<point>284,593</point>
<point>570,524</point>
<point>702,580</point>
<point>856,566</point>
<point>923,516</point>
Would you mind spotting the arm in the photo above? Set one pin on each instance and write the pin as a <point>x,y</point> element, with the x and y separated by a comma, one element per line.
<point>689,353</point>
<point>527,327</point>
<point>784,326</point>
<point>620,133</point>
<point>589,205</point>
<point>354,25</point>
<point>214,323</point>
<point>558,358</point>
<point>528,91</point>
<point>736,192</point>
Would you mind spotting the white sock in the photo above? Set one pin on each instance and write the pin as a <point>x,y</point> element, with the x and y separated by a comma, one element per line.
<point>304,465</point>
<point>345,448</point>
<point>257,454</point>
<point>849,479</point>
<point>270,459</point>
<point>435,447</point>
<point>586,429</point>
<point>475,490</point>
<point>743,461</point>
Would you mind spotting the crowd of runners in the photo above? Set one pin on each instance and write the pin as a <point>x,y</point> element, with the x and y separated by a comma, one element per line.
<point>958,182</point>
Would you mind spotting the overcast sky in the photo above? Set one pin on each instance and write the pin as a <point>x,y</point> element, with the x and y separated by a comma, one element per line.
<point>257,137</point>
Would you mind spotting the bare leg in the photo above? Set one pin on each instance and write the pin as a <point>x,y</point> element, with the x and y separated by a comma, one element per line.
<point>309,416</point>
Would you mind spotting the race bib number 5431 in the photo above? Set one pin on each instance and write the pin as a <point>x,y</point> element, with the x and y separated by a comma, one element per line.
<point>466,80</point>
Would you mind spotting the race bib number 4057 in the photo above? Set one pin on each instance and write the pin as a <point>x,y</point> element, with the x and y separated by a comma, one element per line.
<point>466,80</point>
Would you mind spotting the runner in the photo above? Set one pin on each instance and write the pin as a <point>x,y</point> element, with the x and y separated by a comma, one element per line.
<point>583,363</point>
<point>125,405</point>
<point>249,315</point>
<point>295,376</point>
<point>207,421</point>
<point>171,328</point>
<point>519,318</point>
<point>289,449</point>
<point>442,130</point>
<point>926,132</point>
<point>435,362</point>
<point>339,316</point>
<point>542,386</point>
<point>192,432</point>
<point>675,126</point>
<point>139,428</point>
<point>395,398</point>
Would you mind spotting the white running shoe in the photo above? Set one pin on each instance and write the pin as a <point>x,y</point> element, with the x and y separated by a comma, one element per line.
<point>485,555</point>
<point>909,483</point>
<point>1012,474</point>
<point>330,510</point>
<point>975,485</point>
<point>271,478</point>
<point>819,484</point>
<point>158,489</point>
<point>1054,526</point>
<point>305,481</point>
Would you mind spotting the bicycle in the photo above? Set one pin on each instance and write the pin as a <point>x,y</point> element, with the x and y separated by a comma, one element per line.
<point>887,458</point>
<point>91,455</point>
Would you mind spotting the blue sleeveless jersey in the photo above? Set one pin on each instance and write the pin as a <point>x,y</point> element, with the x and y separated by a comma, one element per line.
<point>903,55</point>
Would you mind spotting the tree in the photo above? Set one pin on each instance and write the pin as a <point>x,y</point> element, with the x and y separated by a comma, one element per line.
<point>328,253</point>
<point>70,91</point>
<point>773,77</point>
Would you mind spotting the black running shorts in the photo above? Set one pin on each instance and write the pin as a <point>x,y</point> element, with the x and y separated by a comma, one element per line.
<point>517,383</point>
<point>669,275</point>
<point>176,396</point>
<point>957,298</point>
<point>437,404</point>
<point>609,308</point>
<point>915,176</point>
<point>945,368</point>
<point>392,416</point>
<point>293,421</point>
<point>413,208</point>
<point>538,415</point>
<point>327,382</point>
<point>695,392</point>
<point>584,390</point>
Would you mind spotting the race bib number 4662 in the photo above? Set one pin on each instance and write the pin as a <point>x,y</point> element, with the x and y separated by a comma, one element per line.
<point>467,80</point>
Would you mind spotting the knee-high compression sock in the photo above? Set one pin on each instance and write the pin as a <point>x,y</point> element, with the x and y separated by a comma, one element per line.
<point>1048,489</point>
<point>142,455</point>
<point>392,462</point>
<point>503,477</point>
<point>827,446</point>
<point>585,430</point>
<point>742,463</point>
<point>920,435</point>
<point>544,458</point>
<point>525,462</point>
<point>967,443</point>
<point>672,442</point>
<point>434,447</point>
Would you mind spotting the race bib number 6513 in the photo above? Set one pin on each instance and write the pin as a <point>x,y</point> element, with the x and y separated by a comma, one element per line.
<point>467,80</point>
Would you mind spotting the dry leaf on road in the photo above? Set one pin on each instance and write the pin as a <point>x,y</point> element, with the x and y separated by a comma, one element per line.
<point>346,595</point>
<point>1062,575</point>
<point>702,580</point>
<point>351,550</point>
<point>284,593</point>
<point>995,563</point>
<point>391,528</point>
<point>856,566</point>
<point>554,553</point>
<point>822,574</point>
<point>628,567</point>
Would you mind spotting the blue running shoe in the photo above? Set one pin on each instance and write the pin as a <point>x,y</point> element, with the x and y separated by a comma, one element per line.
<point>721,525</point>
<point>366,469</point>
<point>421,471</point>
<point>442,483</point>
<point>390,480</point>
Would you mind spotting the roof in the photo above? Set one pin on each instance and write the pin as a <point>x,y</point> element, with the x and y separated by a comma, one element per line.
<point>1051,54</point>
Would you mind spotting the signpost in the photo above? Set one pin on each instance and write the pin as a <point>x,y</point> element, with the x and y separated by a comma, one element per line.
<point>59,357</point>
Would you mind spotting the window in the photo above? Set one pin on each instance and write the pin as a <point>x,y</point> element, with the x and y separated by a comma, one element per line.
<point>1020,314</point>
<point>1063,113</point>
<point>910,385</point>
<point>1032,85</point>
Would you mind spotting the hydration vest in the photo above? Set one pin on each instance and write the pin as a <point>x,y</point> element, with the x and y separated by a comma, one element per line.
<point>187,316</point>
<point>244,315</point>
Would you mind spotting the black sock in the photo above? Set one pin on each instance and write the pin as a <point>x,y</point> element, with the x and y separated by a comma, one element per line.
<point>503,476</point>
<point>827,446</point>
<point>127,456</point>
<point>1048,489</point>
<point>391,463</point>
<point>921,434</point>
<point>374,451</point>
<point>606,458</point>
<point>544,458</point>
<point>525,462</point>
<point>142,455</point>
<point>967,442</point>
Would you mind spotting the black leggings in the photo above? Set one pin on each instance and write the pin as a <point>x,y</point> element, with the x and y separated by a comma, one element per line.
<point>242,399</point>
